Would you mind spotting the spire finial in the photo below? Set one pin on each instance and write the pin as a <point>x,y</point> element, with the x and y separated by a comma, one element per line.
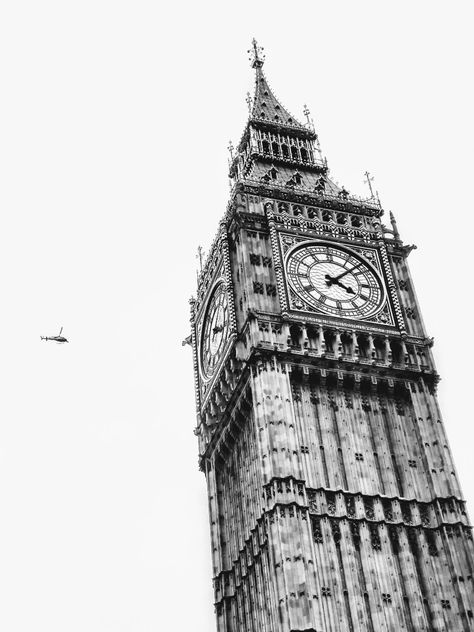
<point>249,102</point>
<point>257,57</point>
<point>200,257</point>
<point>307,113</point>
<point>369,179</point>
<point>373,196</point>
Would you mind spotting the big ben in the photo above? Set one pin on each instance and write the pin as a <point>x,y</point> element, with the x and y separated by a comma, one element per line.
<point>334,503</point>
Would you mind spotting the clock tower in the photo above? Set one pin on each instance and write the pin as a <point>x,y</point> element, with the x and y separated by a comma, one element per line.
<point>334,502</point>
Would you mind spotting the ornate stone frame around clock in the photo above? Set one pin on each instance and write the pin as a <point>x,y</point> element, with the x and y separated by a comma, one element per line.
<point>219,281</point>
<point>283,242</point>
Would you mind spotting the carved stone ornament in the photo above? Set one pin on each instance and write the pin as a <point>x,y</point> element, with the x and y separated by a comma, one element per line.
<point>297,303</point>
<point>287,242</point>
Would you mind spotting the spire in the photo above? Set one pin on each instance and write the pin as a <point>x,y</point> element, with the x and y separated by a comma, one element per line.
<point>266,106</point>
<point>272,136</point>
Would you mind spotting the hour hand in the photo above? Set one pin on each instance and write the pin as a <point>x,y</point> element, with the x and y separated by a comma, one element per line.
<point>348,288</point>
<point>335,281</point>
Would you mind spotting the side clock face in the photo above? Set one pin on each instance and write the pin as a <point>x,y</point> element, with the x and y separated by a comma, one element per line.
<point>335,281</point>
<point>215,330</point>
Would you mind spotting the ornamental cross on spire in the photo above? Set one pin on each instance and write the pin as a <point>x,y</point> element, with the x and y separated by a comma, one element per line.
<point>369,179</point>
<point>373,196</point>
<point>257,57</point>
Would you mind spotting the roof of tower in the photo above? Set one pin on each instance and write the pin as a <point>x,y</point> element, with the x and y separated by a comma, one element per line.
<point>266,107</point>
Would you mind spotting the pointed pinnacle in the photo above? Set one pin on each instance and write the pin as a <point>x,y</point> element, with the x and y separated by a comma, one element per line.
<point>393,221</point>
<point>249,102</point>
<point>309,120</point>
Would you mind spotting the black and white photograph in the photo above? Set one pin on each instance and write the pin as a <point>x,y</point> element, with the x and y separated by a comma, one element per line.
<point>236,324</point>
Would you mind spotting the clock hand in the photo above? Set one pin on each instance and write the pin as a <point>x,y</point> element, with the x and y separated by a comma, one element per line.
<point>348,288</point>
<point>330,280</point>
<point>347,271</point>
<point>334,281</point>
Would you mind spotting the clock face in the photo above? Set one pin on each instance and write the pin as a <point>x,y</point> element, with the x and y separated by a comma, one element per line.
<point>215,330</point>
<point>334,281</point>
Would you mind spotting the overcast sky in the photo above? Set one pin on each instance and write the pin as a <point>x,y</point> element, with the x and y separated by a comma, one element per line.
<point>114,123</point>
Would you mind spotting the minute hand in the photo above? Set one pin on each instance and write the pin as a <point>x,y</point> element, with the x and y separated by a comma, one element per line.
<point>347,272</point>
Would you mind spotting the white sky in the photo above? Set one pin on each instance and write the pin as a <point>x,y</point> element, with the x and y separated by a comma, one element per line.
<point>114,123</point>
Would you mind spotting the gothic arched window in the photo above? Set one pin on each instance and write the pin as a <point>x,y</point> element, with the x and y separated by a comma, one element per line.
<point>329,339</point>
<point>363,345</point>
<point>397,352</point>
<point>295,334</point>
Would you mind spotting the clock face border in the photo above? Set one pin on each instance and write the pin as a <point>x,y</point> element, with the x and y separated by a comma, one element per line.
<point>298,301</point>
<point>218,348</point>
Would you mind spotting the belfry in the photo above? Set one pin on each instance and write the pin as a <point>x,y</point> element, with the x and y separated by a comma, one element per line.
<point>334,503</point>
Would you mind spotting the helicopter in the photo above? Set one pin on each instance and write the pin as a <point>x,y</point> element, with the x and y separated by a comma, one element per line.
<point>60,339</point>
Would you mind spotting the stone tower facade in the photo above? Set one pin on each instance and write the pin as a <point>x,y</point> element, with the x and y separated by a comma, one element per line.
<point>333,498</point>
